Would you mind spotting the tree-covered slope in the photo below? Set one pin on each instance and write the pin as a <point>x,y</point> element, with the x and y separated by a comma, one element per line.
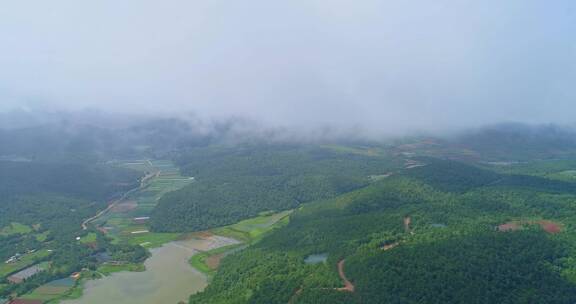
<point>406,239</point>
<point>239,182</point>
<point>47,203</point>
<point>82,180</point>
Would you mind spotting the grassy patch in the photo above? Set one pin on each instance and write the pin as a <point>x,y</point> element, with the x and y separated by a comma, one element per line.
<point>198,261</point>
<point>109,269</point>
<point>152,240</point>
<point>89,238</point>
<point>248,231</point>
<point>253,229</point>
<point>15,228</point>
<point>74,292</point>
<point>41,237</point>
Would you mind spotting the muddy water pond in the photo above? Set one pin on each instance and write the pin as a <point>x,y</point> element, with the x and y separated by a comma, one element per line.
<point>168,278</point>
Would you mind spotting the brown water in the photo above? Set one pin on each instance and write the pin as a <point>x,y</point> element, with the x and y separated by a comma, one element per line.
<point>168,278</point>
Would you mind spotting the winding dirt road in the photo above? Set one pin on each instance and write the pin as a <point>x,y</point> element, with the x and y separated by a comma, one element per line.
<point>348,286</point>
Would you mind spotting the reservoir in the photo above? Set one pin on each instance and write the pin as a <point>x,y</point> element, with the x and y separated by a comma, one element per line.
<point>168,278</point>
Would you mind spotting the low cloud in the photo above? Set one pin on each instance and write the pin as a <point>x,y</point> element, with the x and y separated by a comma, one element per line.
<point>381,67</point>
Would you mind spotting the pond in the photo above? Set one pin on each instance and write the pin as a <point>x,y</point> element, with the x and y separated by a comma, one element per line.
<point>168,278</point>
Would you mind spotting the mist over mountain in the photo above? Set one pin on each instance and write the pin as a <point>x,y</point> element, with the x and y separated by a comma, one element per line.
<point>62,135</point>
<point>385,67</point>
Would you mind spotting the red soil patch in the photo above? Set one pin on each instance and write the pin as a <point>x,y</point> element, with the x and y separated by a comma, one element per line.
<point>348,286</point>
<point>214,261</point>
<point>550,226</point>
<point>203,234</point>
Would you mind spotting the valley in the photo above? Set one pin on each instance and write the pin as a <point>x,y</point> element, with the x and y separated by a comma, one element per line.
<point>300,224</point>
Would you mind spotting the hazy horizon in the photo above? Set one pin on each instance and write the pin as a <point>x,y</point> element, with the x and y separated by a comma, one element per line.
<point>384,66</point>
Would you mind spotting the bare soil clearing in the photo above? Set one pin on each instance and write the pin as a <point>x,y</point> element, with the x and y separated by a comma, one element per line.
<point>548,226</point>
<point>389,246</point>
<point>214,261</point>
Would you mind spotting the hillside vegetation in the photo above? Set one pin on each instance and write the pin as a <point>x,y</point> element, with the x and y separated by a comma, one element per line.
<point>416,238</point>
<point>43,206</point>
<point>236,183</point>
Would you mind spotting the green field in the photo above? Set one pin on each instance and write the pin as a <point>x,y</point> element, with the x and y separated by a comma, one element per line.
<point>15,228</point>
<point>248,231</point>
<point>253,229</point>
<point>55,291</point>
<point>89,238</point>
<point>41,237</point>
<point>152,240</point>
<point>107,269</point>
<point>198,261</point>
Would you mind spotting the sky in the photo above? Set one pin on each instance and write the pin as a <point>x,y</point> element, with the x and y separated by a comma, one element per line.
<point>382,65</point>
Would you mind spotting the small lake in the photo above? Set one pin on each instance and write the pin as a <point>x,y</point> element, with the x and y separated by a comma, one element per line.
<point>168,278</point>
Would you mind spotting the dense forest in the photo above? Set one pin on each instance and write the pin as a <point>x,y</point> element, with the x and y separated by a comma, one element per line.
<point>452,248</point>
<point>82,180</point>
<point>234,183</point>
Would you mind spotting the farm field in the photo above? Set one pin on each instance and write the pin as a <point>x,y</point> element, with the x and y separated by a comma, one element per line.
<point>248,231</point>
<point>253,229</point>
<point>26,260</point>
<point>52,290</point>
<point>127,220</point>
<point>15,228</point>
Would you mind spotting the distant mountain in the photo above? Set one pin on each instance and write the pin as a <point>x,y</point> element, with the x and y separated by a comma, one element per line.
<point>514,141</point>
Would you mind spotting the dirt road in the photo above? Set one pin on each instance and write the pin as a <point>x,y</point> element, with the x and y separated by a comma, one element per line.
<point>348,286</point>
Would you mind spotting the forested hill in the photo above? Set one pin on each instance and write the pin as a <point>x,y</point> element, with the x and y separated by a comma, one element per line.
<point>59,196</point>
<point>42,208</point>
<point>520,142</point>
<point>448,175</point>
<point>234,183</point>
<point>80,180</point>
<point>416,237</point>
